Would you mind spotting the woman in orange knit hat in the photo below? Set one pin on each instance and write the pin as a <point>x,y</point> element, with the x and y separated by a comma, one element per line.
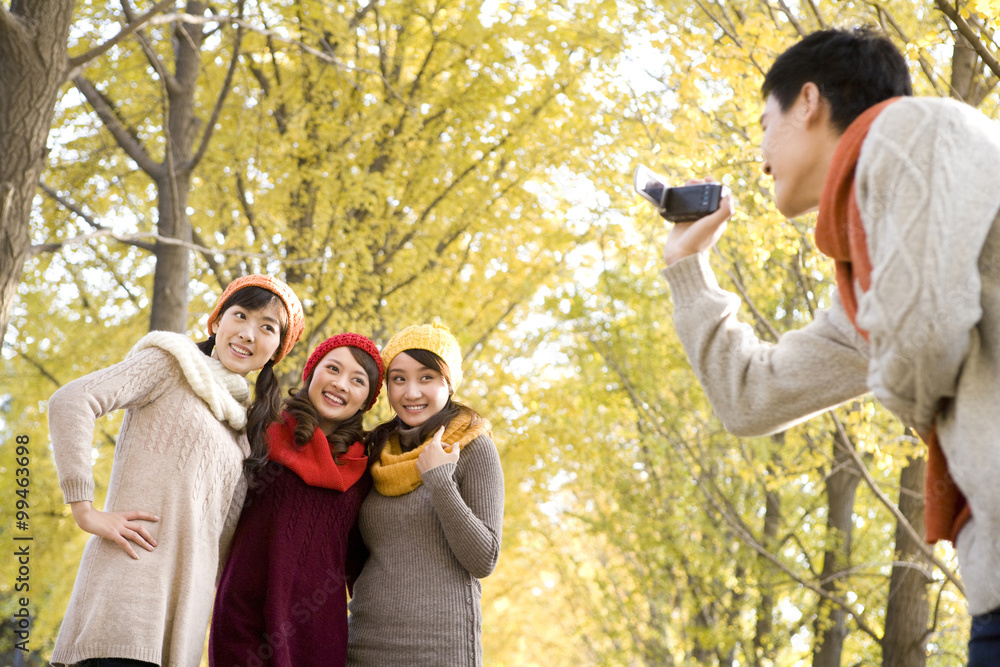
<point>432,521</point>
<point>178,478</point>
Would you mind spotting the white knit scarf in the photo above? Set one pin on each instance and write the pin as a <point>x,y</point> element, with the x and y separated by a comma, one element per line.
<point>226,394</point>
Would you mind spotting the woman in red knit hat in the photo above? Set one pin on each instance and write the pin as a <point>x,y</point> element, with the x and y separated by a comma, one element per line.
<point>282,596</point>
<point>143,594</point>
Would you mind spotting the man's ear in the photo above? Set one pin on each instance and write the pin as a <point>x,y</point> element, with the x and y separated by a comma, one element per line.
<point>813,107</point>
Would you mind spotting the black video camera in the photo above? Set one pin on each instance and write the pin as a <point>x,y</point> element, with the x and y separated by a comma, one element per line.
<point>685,203</point>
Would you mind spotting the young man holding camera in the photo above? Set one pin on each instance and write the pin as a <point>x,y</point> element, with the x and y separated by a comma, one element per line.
<point>908,195</point>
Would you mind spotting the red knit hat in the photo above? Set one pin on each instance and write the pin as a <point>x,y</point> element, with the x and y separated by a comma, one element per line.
<point>349,340</point>
<point>296,318</point>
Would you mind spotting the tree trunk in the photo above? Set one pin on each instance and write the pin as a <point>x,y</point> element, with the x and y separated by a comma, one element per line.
<point>763,641</point>
<point>968,81</point>
<point>302,213</point>
<point>170,279</point>
<point>701,652</point>
<point>906,616</point>
<point>831,620</point>
<point>33,65</point>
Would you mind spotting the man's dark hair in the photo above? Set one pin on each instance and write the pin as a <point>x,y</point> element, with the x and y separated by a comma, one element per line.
<point>853,69</point>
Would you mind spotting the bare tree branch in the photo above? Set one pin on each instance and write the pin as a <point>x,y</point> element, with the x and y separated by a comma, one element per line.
<point>758,316</point>
<point>977,23</point>
<point>227,85</point>
<point>794,20</point>
<point>11,28</point>
<point>133,239</point>
<point>494,149</point>
<point>73,207</point>
<point>209,257</point>
<point>727,30</point>
<point>928,70</point>
<point>83,215</point>
<point>704,483</point>
<point>970,34</point>
<point>41,369</point>
<point>901,520</point>
<point>152,57</point>
<point>126,141</point>
<point>490,330</point>
<point>730,31</point>
<point>223,18</point>
<point>819,17</point>
<point>129,28</point>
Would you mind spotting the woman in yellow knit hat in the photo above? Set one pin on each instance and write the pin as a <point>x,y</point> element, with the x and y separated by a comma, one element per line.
<point>432,521</point>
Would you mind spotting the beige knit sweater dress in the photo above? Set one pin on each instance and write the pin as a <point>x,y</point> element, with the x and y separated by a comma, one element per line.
<point>179,455</point>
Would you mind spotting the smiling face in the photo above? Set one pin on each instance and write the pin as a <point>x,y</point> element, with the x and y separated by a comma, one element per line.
<point>338,389</point>
<point>416,392</point>
<point>247,339</point>
<point>798,146</point>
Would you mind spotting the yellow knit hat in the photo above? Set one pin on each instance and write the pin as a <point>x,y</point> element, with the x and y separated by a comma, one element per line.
<point>431,337</point>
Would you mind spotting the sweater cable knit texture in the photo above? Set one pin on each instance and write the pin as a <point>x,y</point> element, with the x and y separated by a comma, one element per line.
<point>282,597</point>
<point>173,458</point>
<point>928,190</point>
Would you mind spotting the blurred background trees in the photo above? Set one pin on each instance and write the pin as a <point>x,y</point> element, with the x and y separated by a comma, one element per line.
<point>397,161</point>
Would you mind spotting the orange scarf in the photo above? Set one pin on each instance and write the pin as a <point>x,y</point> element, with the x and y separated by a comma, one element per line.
<point>313,462</point>
<point>840,234</point>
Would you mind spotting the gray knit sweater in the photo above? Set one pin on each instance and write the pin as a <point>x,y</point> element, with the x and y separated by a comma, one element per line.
<point>928,189</point>
<point>417,601</point>
<point>174,458</point>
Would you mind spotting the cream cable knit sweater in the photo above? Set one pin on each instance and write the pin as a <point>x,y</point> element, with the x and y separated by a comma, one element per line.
<point>928,188</point>
<point>174,457</point>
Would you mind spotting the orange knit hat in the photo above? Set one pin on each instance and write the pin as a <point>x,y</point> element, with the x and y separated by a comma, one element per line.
<point>296,318</point>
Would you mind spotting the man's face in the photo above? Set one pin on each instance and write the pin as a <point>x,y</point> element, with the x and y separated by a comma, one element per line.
<point>795,153</point>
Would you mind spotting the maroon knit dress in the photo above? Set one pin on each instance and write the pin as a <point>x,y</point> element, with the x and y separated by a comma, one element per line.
<point>282,597</point>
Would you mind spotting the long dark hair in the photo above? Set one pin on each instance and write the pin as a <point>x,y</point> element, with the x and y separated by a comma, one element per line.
<point>381,434</point>
<point>266,406</point>
<point>347,432</point>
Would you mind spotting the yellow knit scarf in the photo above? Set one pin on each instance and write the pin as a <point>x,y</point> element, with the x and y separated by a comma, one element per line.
<point>396,474</point>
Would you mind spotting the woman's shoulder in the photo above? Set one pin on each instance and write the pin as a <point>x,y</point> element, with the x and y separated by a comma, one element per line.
<point>480,454</point>
<point>145,368</point>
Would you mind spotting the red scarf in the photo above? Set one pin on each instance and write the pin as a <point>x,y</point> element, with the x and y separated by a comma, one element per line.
<point>313,462</point>
<point>840,234</point>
